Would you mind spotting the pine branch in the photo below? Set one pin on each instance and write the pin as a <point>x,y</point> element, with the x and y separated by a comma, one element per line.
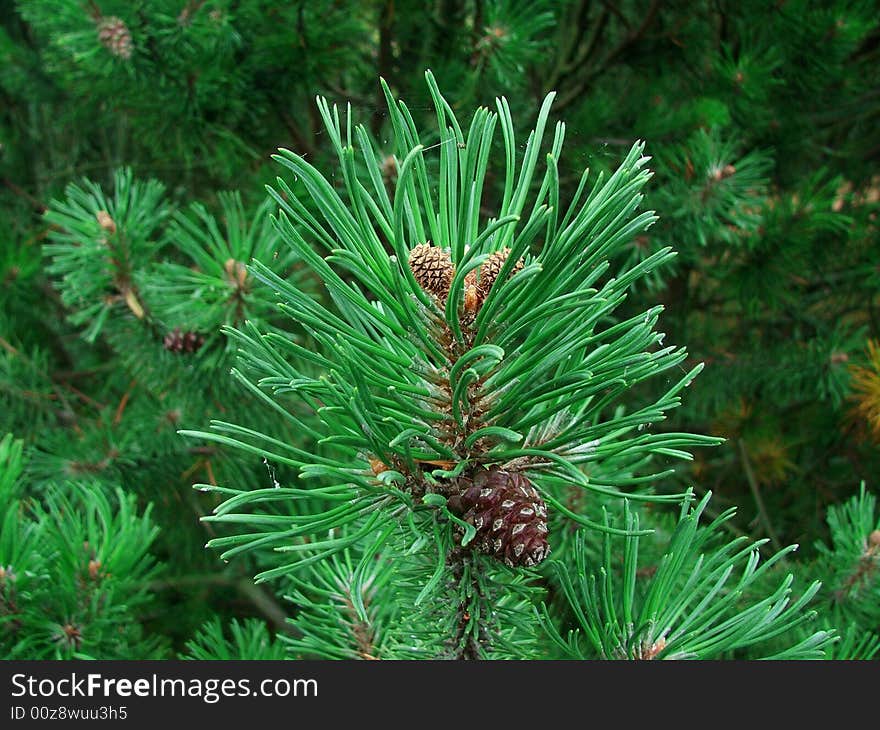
<point>584,80</point>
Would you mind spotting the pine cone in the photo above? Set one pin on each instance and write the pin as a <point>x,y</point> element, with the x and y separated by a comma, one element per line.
<point>508,514</point>
<point>491,268</point>
<point>115,36</point>
<point>433,269</point>
<point>188,342</point>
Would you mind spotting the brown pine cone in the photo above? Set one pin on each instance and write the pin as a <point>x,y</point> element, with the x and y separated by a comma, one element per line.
<point>491,268</point>
<point>177,341</point>
<point>115,36</point>
<point>432,268</point>
<point>508,513</point>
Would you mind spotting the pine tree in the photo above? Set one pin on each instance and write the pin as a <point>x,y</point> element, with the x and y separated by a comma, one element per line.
<point>75,568</point>
<point>475,420</point>
<point>452,427</point>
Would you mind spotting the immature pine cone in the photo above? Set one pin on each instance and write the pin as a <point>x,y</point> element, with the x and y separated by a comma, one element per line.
<point>492,267</point>
<point>115,36</point>
<point>432,268</point>
<point>476,288</point>
<point>508,513</point>
<point>177,341</point>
